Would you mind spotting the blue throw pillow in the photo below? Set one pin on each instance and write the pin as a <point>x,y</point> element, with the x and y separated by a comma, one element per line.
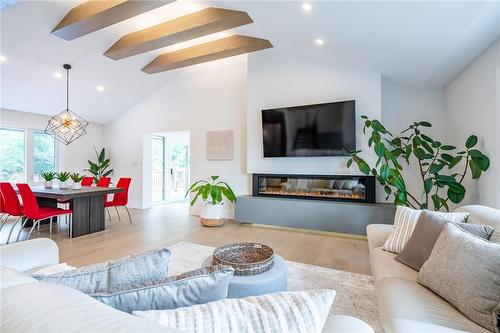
<point>200,286</point>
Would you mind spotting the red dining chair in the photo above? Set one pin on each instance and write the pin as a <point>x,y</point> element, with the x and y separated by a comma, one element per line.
<point>12,205</point>
<point>120,199</point>
<point>103,182</point>
<point>36,213</point>
<point>87,181</point>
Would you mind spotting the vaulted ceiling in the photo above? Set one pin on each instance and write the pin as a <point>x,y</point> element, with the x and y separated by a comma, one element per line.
<point>423,44</point>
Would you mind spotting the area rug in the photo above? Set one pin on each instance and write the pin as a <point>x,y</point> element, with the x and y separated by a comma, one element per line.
<point>355,292</point>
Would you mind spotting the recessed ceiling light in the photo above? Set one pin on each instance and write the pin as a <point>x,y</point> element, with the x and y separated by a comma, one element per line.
<point>319,41</point>
<point>3,58</point>
<point>306,6</point>
<point>57,75</point>
<point>100,88</point>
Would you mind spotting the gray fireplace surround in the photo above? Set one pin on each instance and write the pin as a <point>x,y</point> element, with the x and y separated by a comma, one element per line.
<point>332,216</point>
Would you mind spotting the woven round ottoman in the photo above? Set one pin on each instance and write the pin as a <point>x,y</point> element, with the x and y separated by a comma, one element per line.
<point>272,281</point>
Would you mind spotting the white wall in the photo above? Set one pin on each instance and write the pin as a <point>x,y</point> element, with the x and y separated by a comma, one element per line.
<point>204,97</point>
<point>401,106</point>
<point>472,108</point>
<point>275,81</point>
<point>72,157</point>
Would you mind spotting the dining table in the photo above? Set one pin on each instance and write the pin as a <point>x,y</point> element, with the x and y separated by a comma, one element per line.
<point>87,204</point>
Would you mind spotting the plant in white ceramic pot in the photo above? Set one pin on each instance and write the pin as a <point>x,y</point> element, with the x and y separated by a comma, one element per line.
<point>76,178</point>
<point>63,178</point>
<point>48,178</point>
<point>212,193</point>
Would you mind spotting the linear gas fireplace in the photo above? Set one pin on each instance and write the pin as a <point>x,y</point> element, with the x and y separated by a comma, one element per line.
<point>315,187</point>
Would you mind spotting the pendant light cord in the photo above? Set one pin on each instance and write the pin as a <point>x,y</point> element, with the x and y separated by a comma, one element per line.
<point>67,88</point>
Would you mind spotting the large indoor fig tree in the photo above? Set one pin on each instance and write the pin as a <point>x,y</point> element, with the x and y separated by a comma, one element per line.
<point>442,167</point>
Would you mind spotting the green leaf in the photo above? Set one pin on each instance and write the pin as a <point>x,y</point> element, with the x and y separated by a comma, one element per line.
<point>456,187</point>
<point>444,204</point>
<point>363,167</point>
<point>428,185</point>
<point>426,138</point>
<point>475,153</point>
<point>475,169</point>
<point>435,168</point>
<point>436,144</point>
<point>447,157</point>
<point>214,178</point>
<point>427,147</point>
<point>445,179</point>
<point>455,161</point>
<point>436,200</point>
<point>448,147</point>
<point>483,163</point>
<point>387,189</point>
<point>349,162</point>
<point>419,153</point>
<point>377,126</point>
<point>455,197</point>
<point>385,171</point>
<point>101,155</point>
<point>379,149</point>
<point>425,124</point>
<point>471,141</point>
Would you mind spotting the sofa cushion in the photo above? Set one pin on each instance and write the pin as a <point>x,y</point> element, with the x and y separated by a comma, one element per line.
<point>483,215</point>
<point>404,302</point>
<point>47,307</point>
<point>292,312</point>
<point>10,278</point>
<point>384,266</point>
<point>200,286</point>
<point>465,270</point>
<point>419,247</point>
<point>140,268</point>
<point>404,222</point>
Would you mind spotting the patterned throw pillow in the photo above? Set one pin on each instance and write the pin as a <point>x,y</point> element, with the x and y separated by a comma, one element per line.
<point>114,274</point>
<point>292,312</point>
<point>404,222</point>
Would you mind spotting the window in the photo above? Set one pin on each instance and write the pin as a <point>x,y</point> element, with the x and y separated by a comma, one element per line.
<point>44,154</point>
<point>25,154</point>
<point>12,155</point>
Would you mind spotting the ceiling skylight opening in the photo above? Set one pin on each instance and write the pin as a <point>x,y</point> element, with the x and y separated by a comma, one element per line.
<point>319,41</point>
<point>306,6</point>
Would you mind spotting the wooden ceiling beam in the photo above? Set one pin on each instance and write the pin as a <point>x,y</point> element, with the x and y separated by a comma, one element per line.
<point>214,50</point>
<point>97,14</point>
<point>195,25</point>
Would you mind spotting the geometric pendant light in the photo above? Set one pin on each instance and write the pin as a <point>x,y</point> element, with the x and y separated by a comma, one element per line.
<point>67,126</point>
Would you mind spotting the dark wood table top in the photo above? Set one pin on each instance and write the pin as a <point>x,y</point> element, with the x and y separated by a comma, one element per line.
<point>69,193</point>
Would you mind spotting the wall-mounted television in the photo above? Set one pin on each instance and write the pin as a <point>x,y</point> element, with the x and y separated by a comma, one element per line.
<point>310,130</point>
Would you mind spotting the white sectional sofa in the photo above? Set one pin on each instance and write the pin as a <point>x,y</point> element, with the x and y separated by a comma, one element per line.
<point>27,305</point>
<point>408,307</point>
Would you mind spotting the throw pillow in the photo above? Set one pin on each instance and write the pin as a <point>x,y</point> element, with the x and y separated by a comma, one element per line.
<point>419,247</point>
<point>151,265</point>
<point>339,183</point>
<point>200,286</point>
<point>404,222</point>
<point>350,184</point>
<point>292,312</point>
<point>465,271</point>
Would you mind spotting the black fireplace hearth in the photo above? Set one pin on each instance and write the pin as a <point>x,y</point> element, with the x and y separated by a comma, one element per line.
<point>349,188</point>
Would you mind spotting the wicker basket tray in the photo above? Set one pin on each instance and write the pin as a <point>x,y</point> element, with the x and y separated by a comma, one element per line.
<point>245,258</point>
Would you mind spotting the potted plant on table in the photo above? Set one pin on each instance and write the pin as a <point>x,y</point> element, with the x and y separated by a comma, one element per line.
<point>48,178</point>
<point>99,168</point>
<point>212,193</point>
<point>63,178</point>
<point>76,178</point>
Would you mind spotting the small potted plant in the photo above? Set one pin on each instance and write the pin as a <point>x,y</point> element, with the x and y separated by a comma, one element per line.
<point>48,178</point>
<point>76,178</point>
<point>63,178</point>
<point>212,193</point>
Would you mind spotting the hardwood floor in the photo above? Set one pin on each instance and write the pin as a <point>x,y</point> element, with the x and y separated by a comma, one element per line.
<point>169,224</point>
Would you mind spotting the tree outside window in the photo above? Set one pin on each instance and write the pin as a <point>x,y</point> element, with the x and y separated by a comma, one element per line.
<point>12,155</point>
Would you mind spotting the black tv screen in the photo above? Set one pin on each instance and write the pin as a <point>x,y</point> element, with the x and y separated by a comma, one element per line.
<point>311,130</point>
